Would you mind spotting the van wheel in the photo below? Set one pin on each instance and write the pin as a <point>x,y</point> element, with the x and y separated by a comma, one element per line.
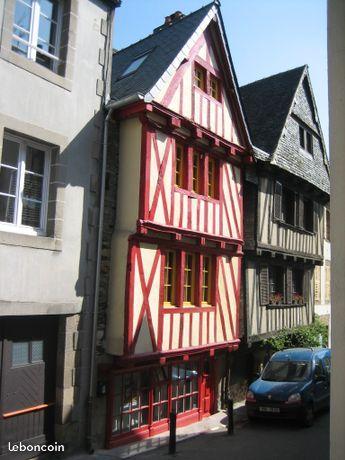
<point>308,416</point>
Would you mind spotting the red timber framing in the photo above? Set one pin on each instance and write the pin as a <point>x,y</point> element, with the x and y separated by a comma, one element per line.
<point>196,216</point>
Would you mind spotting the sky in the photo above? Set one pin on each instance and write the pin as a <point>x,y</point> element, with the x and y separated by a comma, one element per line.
<point>265,36</point>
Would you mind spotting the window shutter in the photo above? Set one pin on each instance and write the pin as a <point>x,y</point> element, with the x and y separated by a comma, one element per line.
<point>327,282</point>
<point>301,212</point>
<point>317,284</point>
<point>315,216</point>
<point>278,191</point>
<point>264,285</point>
<point>288,285</point>
<point>306,286</point>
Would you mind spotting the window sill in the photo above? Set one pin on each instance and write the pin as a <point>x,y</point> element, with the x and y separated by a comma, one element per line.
<point>293,227</point>
<point>188,309</point>
<point>195,195</point>
<point>35,68</point>
<point>284,305</point>
<point>30,241</point>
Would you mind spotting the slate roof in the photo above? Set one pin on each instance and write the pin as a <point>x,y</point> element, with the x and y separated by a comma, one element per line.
<point>266,104</point>
<point>164,45</point>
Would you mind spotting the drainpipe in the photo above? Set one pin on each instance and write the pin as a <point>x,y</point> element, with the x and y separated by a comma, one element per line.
<point>111,107</point>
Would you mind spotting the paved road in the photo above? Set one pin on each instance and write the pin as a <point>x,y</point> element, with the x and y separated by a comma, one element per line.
<point>263,440</point>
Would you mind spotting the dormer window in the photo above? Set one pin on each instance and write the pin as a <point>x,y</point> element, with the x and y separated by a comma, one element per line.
<point>305,140</point>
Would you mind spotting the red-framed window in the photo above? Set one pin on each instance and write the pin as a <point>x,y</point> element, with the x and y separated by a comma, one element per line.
<point>131,401</point>
<point>185,387</point>
<point>207,82</point>
<point>197,172</point>
<point>143,398</point>
<point>188,279</point>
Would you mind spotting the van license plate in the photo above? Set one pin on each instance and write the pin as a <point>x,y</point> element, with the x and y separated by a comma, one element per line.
<point>269,409</point>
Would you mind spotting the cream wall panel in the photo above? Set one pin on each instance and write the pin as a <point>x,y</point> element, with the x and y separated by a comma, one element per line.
<point>186,326</point>
<point>166,331</point>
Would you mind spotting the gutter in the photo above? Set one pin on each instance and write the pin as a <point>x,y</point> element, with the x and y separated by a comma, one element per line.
<point>125,101</point>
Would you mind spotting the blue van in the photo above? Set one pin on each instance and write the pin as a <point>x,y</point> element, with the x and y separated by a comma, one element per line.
<point>294,384</point>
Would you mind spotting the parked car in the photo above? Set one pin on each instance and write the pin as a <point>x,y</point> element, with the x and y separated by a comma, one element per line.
<point>294,384</point>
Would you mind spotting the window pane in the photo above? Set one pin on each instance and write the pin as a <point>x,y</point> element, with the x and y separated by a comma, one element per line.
<point>144,417</point>
<point>164,410</point>
<point>155,413</point>
<point>33,187</point>
<point>46,34</point>
<point>19,47</point>
<point>7,206</point>
<point>10,152</point>
<point>188,403</point>
<point>36,350</point>
<point>22,14</point>
<point>135,420</point>
<point>117,425</point>
<point>20,353</point>
<point>164,393</point>
<point>44,60</point>
<point>35,160</point>
<point>8,180</point>
<point>49,8</point>
<point>125,422</point>
<point>117,405</point>
<point>31,213</point>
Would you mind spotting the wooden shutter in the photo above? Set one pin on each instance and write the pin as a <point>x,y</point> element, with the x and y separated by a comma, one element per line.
<point>278,191</point>
<point>288,294</point>
<point>317,284</point>
<point>300,212</point>
<point>264,285</point>
<point>327,282</point>
<point>306,286</point>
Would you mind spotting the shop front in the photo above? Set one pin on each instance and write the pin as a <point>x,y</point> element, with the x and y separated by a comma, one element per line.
<point>140,399</point>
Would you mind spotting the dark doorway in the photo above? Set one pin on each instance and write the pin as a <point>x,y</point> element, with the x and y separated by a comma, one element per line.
<point>27,380</point>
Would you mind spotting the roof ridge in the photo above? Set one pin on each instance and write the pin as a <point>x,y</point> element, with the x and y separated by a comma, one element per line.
<point>214,2</point>
<point>274,75</point>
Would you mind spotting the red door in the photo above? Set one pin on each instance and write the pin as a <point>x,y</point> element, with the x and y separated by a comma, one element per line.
<point>206,390</point>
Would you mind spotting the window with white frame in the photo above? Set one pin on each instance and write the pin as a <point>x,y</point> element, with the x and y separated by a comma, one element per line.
<point>24,171</point>
<point>36,31</point>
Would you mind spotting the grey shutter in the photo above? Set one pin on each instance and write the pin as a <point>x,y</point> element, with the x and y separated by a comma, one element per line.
<point>288,285</point>
<point>301,212</point>
<point>264,285</point>
<point>278,191</point>
<point>315,216</point>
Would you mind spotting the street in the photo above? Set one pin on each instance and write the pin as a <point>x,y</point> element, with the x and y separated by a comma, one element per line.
<point>262,440</point>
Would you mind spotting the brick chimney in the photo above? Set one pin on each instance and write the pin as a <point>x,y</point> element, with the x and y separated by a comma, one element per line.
<point>170,20</point>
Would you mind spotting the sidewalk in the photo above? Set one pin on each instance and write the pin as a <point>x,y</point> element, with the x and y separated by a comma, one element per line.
<point>214,423</point>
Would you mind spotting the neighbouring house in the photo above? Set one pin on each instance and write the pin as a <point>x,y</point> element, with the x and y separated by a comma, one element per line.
<point>55,58</point>
<point>171,273</point>
<point>322,275</point>
<point>285,196</point>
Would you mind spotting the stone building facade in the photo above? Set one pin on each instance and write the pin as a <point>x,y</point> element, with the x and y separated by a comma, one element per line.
<point>55,61</point>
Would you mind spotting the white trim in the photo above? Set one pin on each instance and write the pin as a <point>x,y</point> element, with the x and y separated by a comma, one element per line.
<point>16,226</point>
<point>32,43</point>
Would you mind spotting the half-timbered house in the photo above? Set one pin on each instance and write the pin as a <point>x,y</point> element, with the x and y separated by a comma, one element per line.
<point>181,141</point>
<point>284,198</point>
